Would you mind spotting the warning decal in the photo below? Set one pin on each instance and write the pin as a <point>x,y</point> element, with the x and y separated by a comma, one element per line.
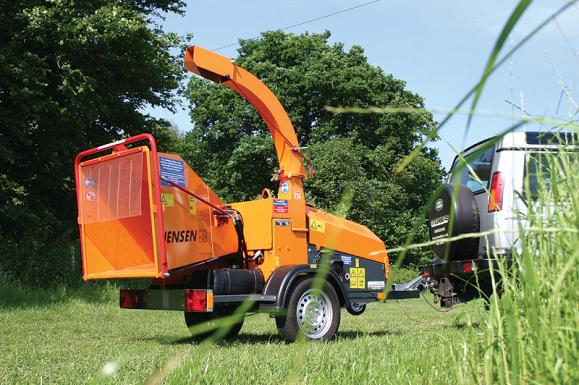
<point>280,206</point>
<point>173,170</point>
<point>357,278</point>
<point>347,259</point>
<point>317,225</point>
<point>284,187</point>
<point>376,285</point>
<point>167,200</point>
<point>192,206</point>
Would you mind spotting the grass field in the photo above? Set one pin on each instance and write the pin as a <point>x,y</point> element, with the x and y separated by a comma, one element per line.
<point>81,336</point>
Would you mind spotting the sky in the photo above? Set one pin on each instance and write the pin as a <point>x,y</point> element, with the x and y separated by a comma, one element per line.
<point>438,47</point>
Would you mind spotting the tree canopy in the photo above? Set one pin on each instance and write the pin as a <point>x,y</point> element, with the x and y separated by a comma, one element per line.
<point>354,155</point>
<point>76,74</point>
<point>73,74</point>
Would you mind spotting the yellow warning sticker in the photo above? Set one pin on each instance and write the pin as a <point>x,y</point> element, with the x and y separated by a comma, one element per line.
<point>168,200</point>
<point>192,206</point>
<point>317,225</point>
<point>357,278</point>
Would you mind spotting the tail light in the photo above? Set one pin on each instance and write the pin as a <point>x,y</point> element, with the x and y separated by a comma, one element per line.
<point>133,299</point>
<point>197,300</point>
<point>467,266</point>
<point>496,193</point>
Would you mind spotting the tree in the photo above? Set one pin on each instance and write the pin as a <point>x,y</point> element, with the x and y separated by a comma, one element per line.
<point>354,154</point>
<point>73,74</point>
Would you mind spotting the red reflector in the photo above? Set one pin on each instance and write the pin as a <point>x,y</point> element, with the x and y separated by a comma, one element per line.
<point>127,301</point>
<point>132,299</point>
<point>467,267</point>
<point>496,193</point>
<point>198,300</point>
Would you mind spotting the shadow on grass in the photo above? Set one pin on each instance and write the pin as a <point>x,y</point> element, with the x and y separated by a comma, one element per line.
<point>18,296</point>
<point>465,325</point>
<point>353,334</point>
<point>251,338</point>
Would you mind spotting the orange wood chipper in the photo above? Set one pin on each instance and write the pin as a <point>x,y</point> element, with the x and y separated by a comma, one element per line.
<point>146,214</point>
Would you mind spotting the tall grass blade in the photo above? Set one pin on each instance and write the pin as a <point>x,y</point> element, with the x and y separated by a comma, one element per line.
<point>503,36</point>
<point>491,70</point>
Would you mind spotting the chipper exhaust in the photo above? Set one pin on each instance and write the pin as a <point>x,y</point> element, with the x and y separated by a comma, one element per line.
<point>147,214</point>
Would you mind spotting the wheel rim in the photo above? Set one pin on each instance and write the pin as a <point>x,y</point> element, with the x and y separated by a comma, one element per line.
<point>314,313</point>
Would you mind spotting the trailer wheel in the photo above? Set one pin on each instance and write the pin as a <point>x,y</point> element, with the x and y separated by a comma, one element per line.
<point>210,321</point>
<point>312,313</point>
<point>356,308</point>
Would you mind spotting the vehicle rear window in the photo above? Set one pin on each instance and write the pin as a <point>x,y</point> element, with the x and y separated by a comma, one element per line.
<point>474,171</point>
<point>537,168</point>
<point>551,138</point>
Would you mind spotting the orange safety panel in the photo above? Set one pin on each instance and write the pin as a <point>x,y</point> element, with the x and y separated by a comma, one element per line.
<point>191,232</point>
<point>256,222</point>
<point>116,218</point>
<point>287,244</point>
<point>332,232</point>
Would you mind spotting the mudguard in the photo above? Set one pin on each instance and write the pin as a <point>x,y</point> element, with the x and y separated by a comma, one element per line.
<point>283,279</point>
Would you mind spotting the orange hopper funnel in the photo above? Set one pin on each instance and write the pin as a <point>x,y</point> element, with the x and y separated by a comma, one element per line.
<point>144,214</point>
<point>116,197</point>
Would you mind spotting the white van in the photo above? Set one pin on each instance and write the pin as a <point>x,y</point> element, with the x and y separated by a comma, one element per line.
<point>485,194</point>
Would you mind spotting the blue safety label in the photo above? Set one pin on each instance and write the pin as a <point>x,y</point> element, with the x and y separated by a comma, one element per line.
<point>347,259</point>
<point>173,170</point>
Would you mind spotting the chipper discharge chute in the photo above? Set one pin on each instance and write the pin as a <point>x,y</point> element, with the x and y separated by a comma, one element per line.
<point>145,214</point>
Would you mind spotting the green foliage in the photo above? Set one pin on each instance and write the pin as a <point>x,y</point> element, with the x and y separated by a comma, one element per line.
<point>232,150</point>
<point>403,274</point>
<point>73,74</point>
<point>167,136</point>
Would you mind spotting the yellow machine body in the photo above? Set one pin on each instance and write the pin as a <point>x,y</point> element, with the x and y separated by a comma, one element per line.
<point>173,230</point>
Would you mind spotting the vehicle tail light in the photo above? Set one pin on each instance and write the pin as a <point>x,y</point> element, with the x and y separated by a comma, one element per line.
<point>198,300</point>
<point>496,193</point>
<point>467,267</point>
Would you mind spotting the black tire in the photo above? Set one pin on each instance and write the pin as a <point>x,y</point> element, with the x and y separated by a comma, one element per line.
<point>356,309</point>
<point>209,322</point>
<point>312,313</point>
<point>459,208</point>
